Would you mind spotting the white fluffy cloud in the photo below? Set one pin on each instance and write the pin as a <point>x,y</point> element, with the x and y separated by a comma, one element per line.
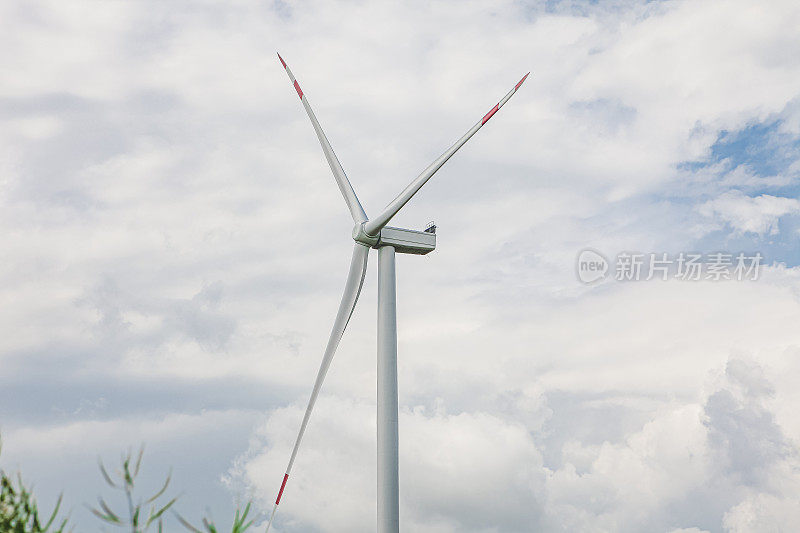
<point>477,471</point>
<point>758,215</point>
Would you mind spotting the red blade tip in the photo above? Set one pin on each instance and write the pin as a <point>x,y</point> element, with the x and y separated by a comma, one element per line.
<point>520,81</point>
<point>282,61</point>
<point>490,114</point>
<point>283,486</point>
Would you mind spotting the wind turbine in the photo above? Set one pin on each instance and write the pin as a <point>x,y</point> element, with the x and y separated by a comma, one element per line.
<point>374,233</point>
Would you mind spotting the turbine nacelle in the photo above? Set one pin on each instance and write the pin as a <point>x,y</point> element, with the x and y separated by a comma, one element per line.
<point>404,241</point>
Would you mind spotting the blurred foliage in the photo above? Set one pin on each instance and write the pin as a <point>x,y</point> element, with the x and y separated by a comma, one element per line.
<point>141,513</point>
<point>19,512</point>
<point>240,523</point>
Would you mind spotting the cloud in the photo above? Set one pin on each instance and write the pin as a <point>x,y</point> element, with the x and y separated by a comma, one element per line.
<point>689,464</point>
<point>762,512</point>
<point>461,472</point>
<point>758,215</point>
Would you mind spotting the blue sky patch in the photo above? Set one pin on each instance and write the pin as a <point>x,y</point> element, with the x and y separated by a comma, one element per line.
<point>763,148</point>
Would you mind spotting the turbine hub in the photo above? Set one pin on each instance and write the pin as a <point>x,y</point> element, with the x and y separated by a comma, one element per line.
<point>360,236</point>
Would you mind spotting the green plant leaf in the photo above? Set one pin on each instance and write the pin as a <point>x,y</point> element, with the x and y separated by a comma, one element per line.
<point>105,474</point>
<point>108,510</point>
<point>163,489</point>
<point>126,470</point>
<point>106,518</point>
<point>185,523</point>
<point>138,461</point>
<point>161,511</point>
<point>55,512</point>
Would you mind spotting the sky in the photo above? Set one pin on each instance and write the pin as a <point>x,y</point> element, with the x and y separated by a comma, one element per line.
<point>174,248</point>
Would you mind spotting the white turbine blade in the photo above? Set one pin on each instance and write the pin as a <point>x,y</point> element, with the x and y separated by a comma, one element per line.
<point>349,194</point>
<point>373,226</point>
<point>355,279</point>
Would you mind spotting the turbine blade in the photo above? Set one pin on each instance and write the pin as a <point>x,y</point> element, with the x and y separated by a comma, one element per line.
<point>355,279</point>
<point>356,211</point>
<point>372,227</point>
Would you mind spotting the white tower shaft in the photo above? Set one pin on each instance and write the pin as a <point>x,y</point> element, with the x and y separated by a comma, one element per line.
<point>388,471</point>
